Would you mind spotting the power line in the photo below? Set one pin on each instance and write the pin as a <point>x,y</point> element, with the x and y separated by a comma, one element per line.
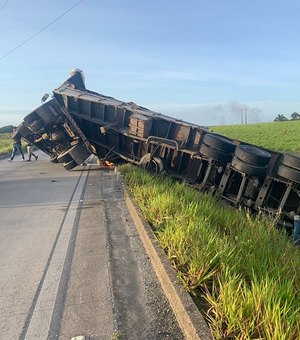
<point>2,7</point>
<point>41,30</point>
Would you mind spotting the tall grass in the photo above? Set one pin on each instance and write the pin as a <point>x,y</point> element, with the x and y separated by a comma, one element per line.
<point>246,269</point>
<point>5,144</point>
<point>277,136</point>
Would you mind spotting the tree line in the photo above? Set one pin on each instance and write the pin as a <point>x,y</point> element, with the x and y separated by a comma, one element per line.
<point>7,129</point>
<point>282,118</point>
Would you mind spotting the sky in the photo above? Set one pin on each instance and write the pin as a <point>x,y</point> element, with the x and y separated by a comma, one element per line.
<point>205,62</point>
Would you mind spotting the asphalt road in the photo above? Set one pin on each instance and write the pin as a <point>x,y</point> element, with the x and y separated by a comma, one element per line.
<point>71,262</point>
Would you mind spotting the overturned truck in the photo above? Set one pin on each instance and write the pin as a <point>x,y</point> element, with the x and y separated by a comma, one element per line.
<point>75,123</point>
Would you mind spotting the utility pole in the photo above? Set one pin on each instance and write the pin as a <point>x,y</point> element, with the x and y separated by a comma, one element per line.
<point>244,116</point>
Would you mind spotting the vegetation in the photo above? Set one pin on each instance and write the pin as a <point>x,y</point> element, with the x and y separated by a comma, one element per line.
<point>5,141</point>
<point>7,129</point>
<point>5,144</point>
<point>295,116</point>
<point>283,136</point>
<point>282,118</point>
<point>245,269</point>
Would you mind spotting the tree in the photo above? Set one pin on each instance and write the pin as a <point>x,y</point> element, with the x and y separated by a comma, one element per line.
<point>6,129</point>
<point>295,116</point>
<point>280,118</point>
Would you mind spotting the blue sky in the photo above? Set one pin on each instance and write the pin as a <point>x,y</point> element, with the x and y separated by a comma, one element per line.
<point>200,61</point>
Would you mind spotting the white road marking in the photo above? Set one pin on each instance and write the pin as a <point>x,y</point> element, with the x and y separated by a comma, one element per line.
<point>40,322</point>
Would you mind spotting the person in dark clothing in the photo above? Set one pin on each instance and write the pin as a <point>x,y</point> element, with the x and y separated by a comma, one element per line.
<point>17,146</point>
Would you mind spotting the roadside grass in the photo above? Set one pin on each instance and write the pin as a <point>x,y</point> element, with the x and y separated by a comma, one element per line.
<point>245,268</point>
<point>277,136</point>
<point>5,144</point>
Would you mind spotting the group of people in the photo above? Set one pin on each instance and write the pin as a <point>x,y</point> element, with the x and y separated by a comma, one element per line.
<point>17,146</point>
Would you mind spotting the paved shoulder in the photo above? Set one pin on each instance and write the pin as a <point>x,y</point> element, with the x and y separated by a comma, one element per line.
<point>112,289</point>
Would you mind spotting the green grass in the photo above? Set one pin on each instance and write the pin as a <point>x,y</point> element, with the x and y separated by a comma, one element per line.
<point>246,269</point>
<point>5,144</point>
<point>277,136</point>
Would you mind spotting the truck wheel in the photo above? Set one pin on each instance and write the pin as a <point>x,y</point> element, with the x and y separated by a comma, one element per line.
<point>249,169</point>
<point>291,161</point>
<point>154,164</point>
<point>252,155</point>
<point>288,173</point>
<point>215,154</point>
<point>70,165</point>
<point>219,143</point>
<point>160,164</point>
<point>64,157</point>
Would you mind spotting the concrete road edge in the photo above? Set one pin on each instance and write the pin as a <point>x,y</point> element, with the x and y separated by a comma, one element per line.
<point>187,314</point>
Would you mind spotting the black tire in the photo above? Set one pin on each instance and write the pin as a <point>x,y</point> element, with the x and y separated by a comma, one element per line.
<point>154,164</point>
<point>160,164</point>
<point>252,155</point>
<point>37,125</point>
<point>53,159</point>
<point>288,173</point>
<point>291,161</point>
<point>145,159</point>
<point>70,165</point>
<point>58,136</point>
<point>215,154</point>
<point>78,153</point>
<point>249,169</point>
<point>219,143</point>
<point>64,157</point>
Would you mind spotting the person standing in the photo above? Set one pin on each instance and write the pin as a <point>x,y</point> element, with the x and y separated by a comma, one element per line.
<point>29,151</point>
<point>17,146</point>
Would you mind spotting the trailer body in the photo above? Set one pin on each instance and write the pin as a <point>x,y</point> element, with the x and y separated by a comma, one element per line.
<point>78,122</point>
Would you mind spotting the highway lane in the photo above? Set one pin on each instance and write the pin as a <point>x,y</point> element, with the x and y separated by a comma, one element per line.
<point>71,262</point>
